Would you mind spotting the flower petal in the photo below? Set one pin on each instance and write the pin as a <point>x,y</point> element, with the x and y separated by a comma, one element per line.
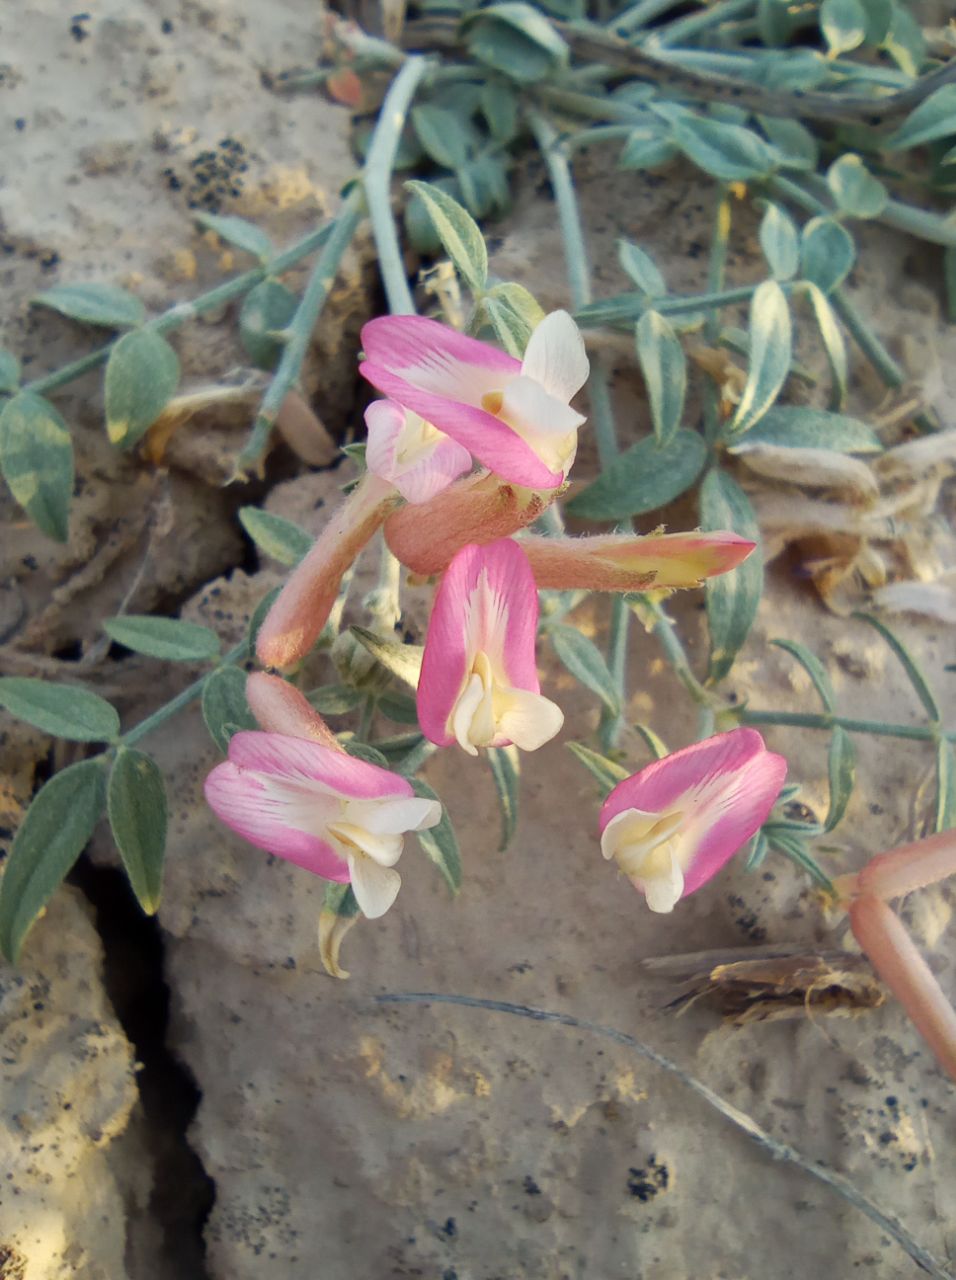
<point>297,758</point>
<point>244,804</point>
<point>535,413</point>
<point>385,422</point>
<point>375,887</point>
<point>556,357</point>
<point>528,720</point>
<point>395,817</point>
<point>422,480</point>
<point>435,356</point>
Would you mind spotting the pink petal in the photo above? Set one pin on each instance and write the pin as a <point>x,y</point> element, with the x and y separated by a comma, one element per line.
<point>402,342</point>
<point>385,422</point>
<point>727,784</point>
<point>297,758</point>
<point>242,803</point>
<point>423,480</point>
<point>489,439</point>
<point>510,633</point>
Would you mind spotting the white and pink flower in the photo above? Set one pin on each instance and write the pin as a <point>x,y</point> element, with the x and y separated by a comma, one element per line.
<point>514,416</point>
<point>408,452</point>
<point>314,805</point>
<point>479,682</point>
<point>674,825</point>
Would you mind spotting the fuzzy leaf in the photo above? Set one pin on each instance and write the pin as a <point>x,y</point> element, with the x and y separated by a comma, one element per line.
<point>644,477</point>
<point>515,39</point>
<point>732,598</point>
<point>771,339</point>
<point>276,536</point>
<point>843,23</point>
<point>827,253</point>
<point>586,663</point>
<point>168,638</point>
<point>664,367</point>
<point>608,772</point>
<point>136,803</point>
<point>780,242</point>
<point>647,149</point>
<point>834,344</point>
<point>795,144</point>
<point>224,706</point>
<point>945,786</point>
<point>506,772</point>
<point>53,834</point>
<point>854,188</point>
<point>440,842</point>
<point>9,371</point>
<point>642,269</point>
<point>442,135</point>
<point>932,119</point>
<point>237,231</point>
<point>841,767</point>
<point>725,151</point>
<point>336,699</point>
<point>36,458</point>
<point>142,375</point>
<point>909,664</point>
<point>62,710</point>
<point>799,427</point>
<point>266,311</point>
<point>100,304</point>
<point>814,669</point>
<point>403,660</point>
<point>458,232</point>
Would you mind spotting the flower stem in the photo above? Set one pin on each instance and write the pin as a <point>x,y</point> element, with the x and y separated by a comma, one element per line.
<point>299,333</point>
<point>813,720</point>
<point>377,179</point>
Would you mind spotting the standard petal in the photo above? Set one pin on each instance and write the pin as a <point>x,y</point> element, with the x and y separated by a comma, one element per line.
<point>297,758</point>
<point>528,720</point>
<point>486,437</point>
<point>556,357</point>
<point>436,357</point>
<point>250,809</point>
<point>375,887</point>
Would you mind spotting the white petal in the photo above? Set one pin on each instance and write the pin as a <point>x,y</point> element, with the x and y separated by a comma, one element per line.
<point>556,357</point>
<point>383,849</point>
<point>393,817</point>
<point>301,803</point>
<point>529,720</point>
<point>375,887</point>
<point>663,892</point>
<point>536,413</point>
<point>472,721</point>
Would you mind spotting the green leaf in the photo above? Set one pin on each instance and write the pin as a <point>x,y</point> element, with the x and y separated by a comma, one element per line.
<point>799,427</point>
<point>399,707</point>
<point>647,149</point>
<point>843,23</point>
<point>224,706</point>
<point>340,900</point>
<point>168,638</point>
<point>644,477</point>
<point>362,750</point>
<point>499,106</point>
<point>841,767</point>
<point>458,232</point>
<point>402,660</point>
<point>904,41</point>
<point>515,39</point>
<point>879,18</point>
<point>780,242</point>
<point>608,772</point>
<point>266,312</point>
<point>758,851</point>
<point>664,367</point>
<point>774,22</point>
<point>725,151</point>
<point>336,699</point>
<point>654,743</point>
<point>814,669</point>
<point>440,843</point>
<point>834,344</point>
<point>793,846</point>
<point>136,805</point>
<point>506,772</point>
<point>827,253</point>
<point>932,119</point>
<point>142,375</point>
<point>405,752</point>
<point>36,458</point>
<point>442,135</point>
<point>237,231</point>
<point>945,786</point>
<point>642,269</point>
<point>276,536</point>
<point>99,304</point>
<point>515,314</point>
<point>909,664</point>
<point>62,710</point>
<point>732,598</point>
<point>771,339</point>
<point>9,371</point>
<point>949,274</point>
<point>855,190</point>
<point>795,144</point>
<point>53,834</point>
<point>586,663</point>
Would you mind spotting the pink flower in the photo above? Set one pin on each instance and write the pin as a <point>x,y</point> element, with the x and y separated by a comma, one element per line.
<point>410,453</point>
<point>513,416</point>
<point>625,562</point>
<point>479,681</point>
<point>674,824</point>
<point>326,811</point>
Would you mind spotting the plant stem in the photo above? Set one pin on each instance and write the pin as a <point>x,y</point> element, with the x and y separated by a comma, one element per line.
<point>716,272</point>
<point>813,720</point>
<point>591,107</point>
<point>188,695</point>
<point>640,14</point>
<point>379,165</point>
<point>663,628</point>
<point>183,311</point>
<point>299,333</point>
<point>686,29</point>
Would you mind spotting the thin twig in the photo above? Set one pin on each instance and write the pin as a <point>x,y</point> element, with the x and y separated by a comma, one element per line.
<point>777,1149</point>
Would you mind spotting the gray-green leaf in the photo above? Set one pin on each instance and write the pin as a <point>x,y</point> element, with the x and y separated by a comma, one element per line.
<point>136,804</point>
<point>53,834</point>
<point>100,304</point>
<point>843,23</point>
<point>586,663</point>
<point>275,535</point>
<point>644,477</point>
<point>771,338</point>
<point>834,344</point>
<point>402,660</point>
<point>932,119</point>
<point>642,269</point>
<point>142,374</point>
<point>515,39</point>
<point>440,842</point>
<point>814,669</point>
<point>506,772</point>
<point>841,767</point>
<point>732,598</point>
<point>266,311</point>
<point>224,705</point>
<point>726,151</point>
<point>169,638</point>
<point>854,188</point>
<point>945,786</point>
<point>9,371</point>
<point>608,772</point>
<point>62,710</point>
<point>458,232</point>
<point>799,427</point>
<point>780,242</point>
<point>36,458</point>
<point>244,235</point>
<point>827,253</point>
<point>664,367</point>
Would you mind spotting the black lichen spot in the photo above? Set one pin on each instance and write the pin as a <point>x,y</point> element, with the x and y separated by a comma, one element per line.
<point>166,26</point>
<point>886,1138</point>
<point>531,1188</point>
<point>449,1230</point>
<point>645,1184</point>
<point>77,30</point>
<point>19,124</point>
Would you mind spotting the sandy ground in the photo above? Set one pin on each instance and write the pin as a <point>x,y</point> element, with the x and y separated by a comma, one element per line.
<point>340,1137</point>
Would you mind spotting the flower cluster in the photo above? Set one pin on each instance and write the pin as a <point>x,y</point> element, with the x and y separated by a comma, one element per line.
<point>469,447</point>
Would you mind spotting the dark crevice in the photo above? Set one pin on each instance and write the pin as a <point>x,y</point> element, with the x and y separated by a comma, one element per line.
<point>182,1192</point>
